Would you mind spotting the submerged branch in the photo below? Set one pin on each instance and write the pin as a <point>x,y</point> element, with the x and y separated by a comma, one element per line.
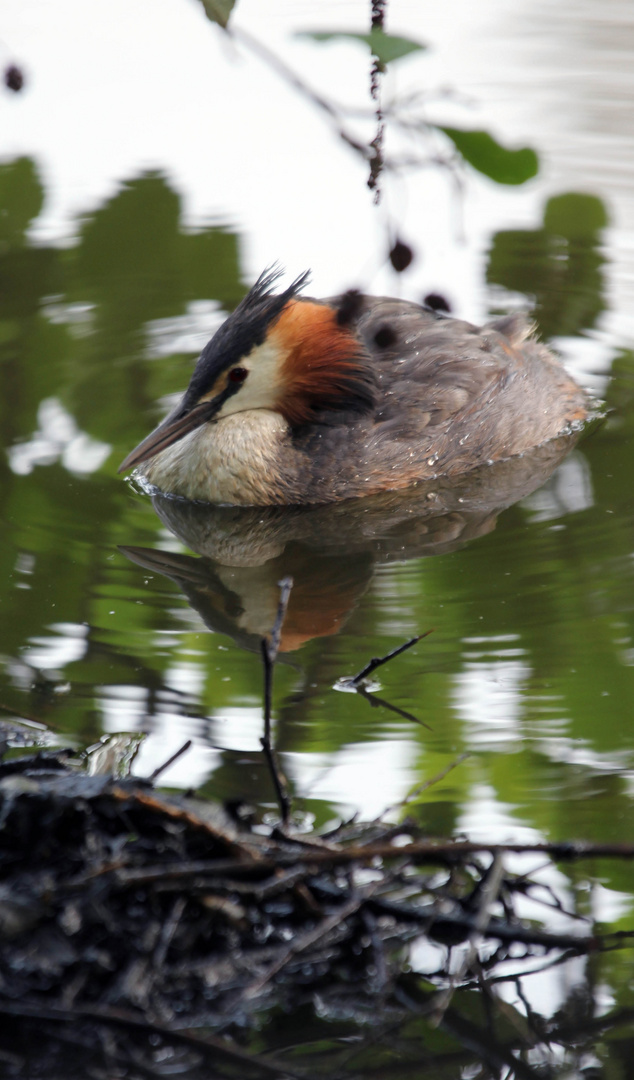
<point>378,661</point>
<point>270,647</point>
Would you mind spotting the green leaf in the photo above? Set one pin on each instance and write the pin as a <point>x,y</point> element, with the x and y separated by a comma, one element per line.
<point>487,156</point>
<point>218,10</point>
<point>386,47</point>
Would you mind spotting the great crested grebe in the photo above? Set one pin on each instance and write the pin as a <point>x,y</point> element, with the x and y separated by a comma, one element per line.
<point>299,401</point>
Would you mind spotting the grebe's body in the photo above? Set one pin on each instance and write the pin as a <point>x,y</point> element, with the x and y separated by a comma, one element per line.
<point>306,401</point>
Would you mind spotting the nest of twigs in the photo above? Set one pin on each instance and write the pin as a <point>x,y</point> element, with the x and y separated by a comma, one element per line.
<point>136,928</point>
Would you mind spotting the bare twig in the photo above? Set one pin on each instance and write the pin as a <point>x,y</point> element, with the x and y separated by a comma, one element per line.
<point>170,761</point>
<point>207,1044</point>
<point>488,896</point>
<point>467,925</point>
<point>423,787</point>
<point>273,642</point>
<point>293,79</point>
<point>371,152</point>
<point>377,661</point>
<point>168,930</point>
<point>422,851</point>
<point>304,941</point>
<point>21,714</point>
<point>270,647</point>
<point>376,73</point>
<point>376,702</point>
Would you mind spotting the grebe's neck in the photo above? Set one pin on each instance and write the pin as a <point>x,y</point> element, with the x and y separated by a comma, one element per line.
<point>246,459</point>
<point>324,367</point>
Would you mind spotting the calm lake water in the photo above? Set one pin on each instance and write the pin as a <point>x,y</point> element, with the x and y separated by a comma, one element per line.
<point>134,211</point>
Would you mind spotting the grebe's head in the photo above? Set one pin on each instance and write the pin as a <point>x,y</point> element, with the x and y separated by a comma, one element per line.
<point>277,352</point>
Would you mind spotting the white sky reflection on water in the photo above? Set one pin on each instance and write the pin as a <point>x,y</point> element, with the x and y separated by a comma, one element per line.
<point>568,491</point>
<point>191,770</point>
<point>366,777</point>
<point>57,439</point>
<point>342,777</point>
<point>109,93</point>
<point>238,727</point>
<point>488,696</point>
<point>65,644</point>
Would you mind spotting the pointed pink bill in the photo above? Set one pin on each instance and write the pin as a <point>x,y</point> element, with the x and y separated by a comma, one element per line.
<point>167,434</point>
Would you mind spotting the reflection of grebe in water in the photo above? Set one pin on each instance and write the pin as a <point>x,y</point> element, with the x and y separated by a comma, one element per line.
<point>242,601</point>
<point>299,401</point>
<point>330,551</point>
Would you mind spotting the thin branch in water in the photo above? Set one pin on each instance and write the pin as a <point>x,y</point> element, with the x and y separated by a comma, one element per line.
<point>22,715</point>
<point>427,784</point>
<point>170,761</point>
<point>376,701</point>
<point>377,661</point>
<point>270,647</point>
<point>279,781</point>
<point>273,643</point>
<point>418,852</point>
<point>488,896</point>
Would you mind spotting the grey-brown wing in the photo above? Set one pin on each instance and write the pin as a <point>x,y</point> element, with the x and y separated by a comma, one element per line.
<point>431,369</point>
<point>451,396</point>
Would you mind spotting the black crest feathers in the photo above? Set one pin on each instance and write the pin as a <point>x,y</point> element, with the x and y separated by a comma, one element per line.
<point>244,330</point>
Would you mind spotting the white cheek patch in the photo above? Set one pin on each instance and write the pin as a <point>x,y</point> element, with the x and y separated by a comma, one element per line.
<point>260,389</point>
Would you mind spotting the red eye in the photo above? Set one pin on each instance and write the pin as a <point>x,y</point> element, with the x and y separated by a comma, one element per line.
<point>238,374</point>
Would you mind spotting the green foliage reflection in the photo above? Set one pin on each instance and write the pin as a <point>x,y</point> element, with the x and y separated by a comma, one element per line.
<point>559,264</point>
<point>80,374</point>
